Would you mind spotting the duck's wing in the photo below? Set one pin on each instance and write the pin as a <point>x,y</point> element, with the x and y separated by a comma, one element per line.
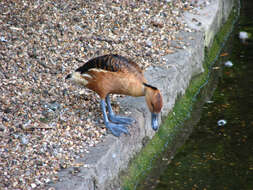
<point>112,63</point>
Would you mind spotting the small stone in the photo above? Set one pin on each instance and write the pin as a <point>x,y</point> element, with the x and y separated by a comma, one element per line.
<point>24,140</point>
<point>76,170</point>
<point>2,129</point>
<point>84,11</point>
<point>7,110</point>
<point>5,119</point>
<point>15,184</point>
<point>33,185</point>
<point>65,92</point>
<point>78,28</point>
<point>15,135</point>
<point>2,39</point>
<point>53,106</point>
<point>86,165</point>
<point>149,43</point>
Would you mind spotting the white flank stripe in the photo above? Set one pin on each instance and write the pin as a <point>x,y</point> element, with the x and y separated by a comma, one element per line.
<point>77,77</point>
<point>98,70</point>
<point>87,75</point>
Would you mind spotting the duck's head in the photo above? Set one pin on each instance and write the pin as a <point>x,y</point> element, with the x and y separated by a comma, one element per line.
<point>155,103</point>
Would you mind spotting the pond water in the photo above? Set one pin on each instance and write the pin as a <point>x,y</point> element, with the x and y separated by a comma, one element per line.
<point>219,152</point>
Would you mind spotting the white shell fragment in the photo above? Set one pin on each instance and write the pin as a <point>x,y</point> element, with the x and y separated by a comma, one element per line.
<point>243,35</point>
<point>228,64</point>
<point>222,122</point>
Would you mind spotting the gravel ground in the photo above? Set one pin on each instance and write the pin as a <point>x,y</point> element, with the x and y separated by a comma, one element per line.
<point>46,123</point>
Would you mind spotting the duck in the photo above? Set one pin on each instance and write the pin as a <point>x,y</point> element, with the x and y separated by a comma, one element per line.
<point>115,74</point>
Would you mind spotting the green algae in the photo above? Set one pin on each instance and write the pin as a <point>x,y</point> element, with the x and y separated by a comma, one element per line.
<point>167,134</point>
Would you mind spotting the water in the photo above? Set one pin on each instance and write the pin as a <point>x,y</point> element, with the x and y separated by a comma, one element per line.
<point>217,156</point>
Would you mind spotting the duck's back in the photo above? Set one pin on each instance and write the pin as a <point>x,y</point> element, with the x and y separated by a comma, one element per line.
<point>112,63</point>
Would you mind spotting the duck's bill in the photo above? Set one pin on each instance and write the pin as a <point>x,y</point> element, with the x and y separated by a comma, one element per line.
<point>154,121</point>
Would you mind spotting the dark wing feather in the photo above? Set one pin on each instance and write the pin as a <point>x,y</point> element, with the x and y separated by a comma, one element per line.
<point>111,62</point>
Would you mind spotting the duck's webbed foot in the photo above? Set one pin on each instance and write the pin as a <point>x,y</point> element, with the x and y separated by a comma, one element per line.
<point>121,119</point>
<point>117,118</point>
<point>116,129</point>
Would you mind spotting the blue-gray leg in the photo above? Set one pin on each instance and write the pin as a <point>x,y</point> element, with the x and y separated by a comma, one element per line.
<point>116,118</point>
<point>116,129</point>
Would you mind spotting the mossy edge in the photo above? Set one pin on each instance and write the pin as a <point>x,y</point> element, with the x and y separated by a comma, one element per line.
<point>142,163</point>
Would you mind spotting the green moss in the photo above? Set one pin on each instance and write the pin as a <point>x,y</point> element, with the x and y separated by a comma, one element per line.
<point>167,134</point>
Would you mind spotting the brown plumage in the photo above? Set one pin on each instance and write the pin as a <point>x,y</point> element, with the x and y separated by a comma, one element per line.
<point>114,74</point>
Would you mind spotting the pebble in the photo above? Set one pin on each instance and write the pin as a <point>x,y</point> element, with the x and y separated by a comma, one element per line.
<point>33,185</point>
<point>149,43</point>
<point>24,140</point>
<point>53,106</point>
<point>2,39</point>
<point>16,136</point>
<point>4,119</point>
<point>143,27</point>
<point>84,11</point>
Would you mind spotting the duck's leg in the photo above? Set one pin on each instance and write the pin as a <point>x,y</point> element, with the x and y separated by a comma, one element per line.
<point>116,118</point>
<point>116,129</point>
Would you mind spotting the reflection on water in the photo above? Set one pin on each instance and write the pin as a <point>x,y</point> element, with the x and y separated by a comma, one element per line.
<point>217,156</point>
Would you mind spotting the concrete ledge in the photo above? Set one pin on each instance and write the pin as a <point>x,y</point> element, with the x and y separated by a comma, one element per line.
<point>210,19</point>
<point>105,162</point>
